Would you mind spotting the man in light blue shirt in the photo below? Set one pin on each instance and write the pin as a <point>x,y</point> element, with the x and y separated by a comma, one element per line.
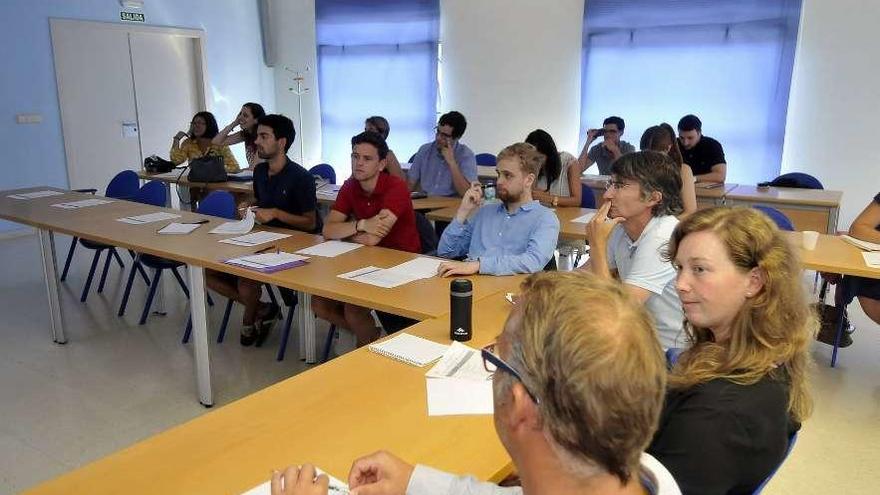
<point>517,235</point>
<point>444,167</point>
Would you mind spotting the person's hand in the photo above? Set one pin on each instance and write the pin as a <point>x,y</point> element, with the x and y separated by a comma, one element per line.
<point>452,268</point>
<point>299,481</point>
<point>447,153</point>
<point>180,135</point>
<point>599,227</point>
<point>264,215</point>
<point>612,147</point>
<point>235,123</point>
<point>380,225</point>
<point>592,135</point>
<point>379,473</point>
<point>472,200</point>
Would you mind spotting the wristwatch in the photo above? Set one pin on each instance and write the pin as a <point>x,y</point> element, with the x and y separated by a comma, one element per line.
<point>555,201</point>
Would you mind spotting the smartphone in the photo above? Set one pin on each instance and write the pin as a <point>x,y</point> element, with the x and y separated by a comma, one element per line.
<point>600,132</point>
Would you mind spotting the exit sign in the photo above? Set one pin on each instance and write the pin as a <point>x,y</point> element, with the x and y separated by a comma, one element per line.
<point>131,16</point>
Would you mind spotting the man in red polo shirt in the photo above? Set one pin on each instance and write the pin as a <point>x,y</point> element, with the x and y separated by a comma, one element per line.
<point>372,208</point>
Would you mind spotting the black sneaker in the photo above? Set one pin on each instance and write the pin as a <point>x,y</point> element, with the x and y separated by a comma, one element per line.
<point>248,336</point>
<point>266,322</point>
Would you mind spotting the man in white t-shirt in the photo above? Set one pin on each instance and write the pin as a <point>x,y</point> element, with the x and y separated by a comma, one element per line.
<point>578,387</point>
<point>629,234</point>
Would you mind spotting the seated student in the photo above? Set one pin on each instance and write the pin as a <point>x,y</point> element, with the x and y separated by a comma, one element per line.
<point>662,138</point>
<point>284,197</point>
<point>578,387</point>
<point>515,235</point>
<point>197,142</point>
<point>866,227</point>
<point>445,166</point>
<point>611,148</point>
<point>371,208</point>
<point>554,185</point>
<point>380,126</point>
<point>643,197</point>
<point>704,154</point>
<point>739,392</point>
<point>247,119</point>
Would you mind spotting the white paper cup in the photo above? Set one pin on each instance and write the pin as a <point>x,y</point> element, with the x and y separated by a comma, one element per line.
<point>810,238</point>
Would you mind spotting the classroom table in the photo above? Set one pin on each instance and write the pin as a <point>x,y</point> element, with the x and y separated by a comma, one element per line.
<point>708,194</point>
<point>567,229</point>
<point>808,209</point>
<point>199,250</point>
<point>329,416</point>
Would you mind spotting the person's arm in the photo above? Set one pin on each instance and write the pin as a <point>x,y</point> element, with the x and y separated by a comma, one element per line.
<point>585,161</point>
<point>177,155</point>
<point>864,226</point>
<point>574,185</point>
<point>718,174</point>
<point>393,166</point>
<point>456,239</point>
<point>688,191</point>
<point>599,230</point>
<point>415,170</point>
<point>307,221</point>
<point>539,250</point>
<point>224,138</point>
<point>459,181</point>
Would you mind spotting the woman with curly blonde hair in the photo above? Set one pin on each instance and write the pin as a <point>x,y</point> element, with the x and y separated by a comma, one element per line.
<point>740,391</point>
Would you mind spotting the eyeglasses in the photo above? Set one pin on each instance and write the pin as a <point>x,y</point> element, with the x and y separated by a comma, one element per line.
<point>492,363</point>
<point>615,184</point>
<point>444,134</point>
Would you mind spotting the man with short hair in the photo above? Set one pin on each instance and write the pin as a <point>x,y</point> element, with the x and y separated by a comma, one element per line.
<point>629,233</point>
<point>284,197</point>
<point>704,154</point>
<point>611,148</point>
<point>578,388</point>
<point>445,166</point>
<point>515,235</point>
<point>374,209</point>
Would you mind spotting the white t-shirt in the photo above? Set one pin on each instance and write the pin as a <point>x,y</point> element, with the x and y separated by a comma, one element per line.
<point>640,263</point>
<point>560,185</point>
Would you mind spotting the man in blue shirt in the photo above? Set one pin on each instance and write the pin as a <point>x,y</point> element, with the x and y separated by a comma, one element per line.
<point>444,167</point>
<point>517,235</point>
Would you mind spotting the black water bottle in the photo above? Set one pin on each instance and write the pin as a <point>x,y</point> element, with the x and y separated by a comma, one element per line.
<point>461,294</point>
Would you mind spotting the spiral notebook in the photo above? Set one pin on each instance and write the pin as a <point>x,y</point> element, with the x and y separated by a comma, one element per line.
<point>410,349</point>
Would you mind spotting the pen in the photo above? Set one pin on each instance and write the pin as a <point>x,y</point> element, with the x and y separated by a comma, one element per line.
<point>200,222</point>
<point>267,249</point>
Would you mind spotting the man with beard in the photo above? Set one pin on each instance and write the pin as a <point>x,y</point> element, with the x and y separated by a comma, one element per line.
<point>629,234</point>
<point>284,197</point>
<point>517,235</point>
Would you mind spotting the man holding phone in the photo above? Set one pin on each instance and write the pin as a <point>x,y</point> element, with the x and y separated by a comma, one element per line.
<point>611,148</point>
<point>445,166</point>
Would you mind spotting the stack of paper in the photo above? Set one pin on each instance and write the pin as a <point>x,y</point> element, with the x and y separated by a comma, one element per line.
<point>336,487</point>
<point>872,259</point>
<point>459,383</point>
<point>329,249</point>
<point>404,273</point>
<point>83,203</point>
<point>864,245</point>
<point>255,239</point>
<point>242,226</point>
<point>409,349</point>
<point>148,218</point>
<point>179,228</point>
<point>268,262</point>
<point>35,194</point>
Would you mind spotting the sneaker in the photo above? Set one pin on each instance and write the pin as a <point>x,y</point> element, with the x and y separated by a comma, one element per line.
<point>248,335</point>
<point>265,322</point>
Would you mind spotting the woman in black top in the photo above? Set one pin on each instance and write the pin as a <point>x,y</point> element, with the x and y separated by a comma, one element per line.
<point>740,391</point>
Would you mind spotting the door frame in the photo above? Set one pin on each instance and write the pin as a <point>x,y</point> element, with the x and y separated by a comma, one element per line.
<point>201,62</point>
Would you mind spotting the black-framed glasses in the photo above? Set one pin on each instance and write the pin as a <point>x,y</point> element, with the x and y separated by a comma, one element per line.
<point>615,184</point>
<point>492,363</point>
<point>444,134</point>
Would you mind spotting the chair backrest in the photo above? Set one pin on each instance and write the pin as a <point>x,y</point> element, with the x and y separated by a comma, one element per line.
<point>487,159</point>
<point>123,186</point>
<point>672,356</point>
<point>427,234</point>
<point>791,441</point>
<point>588,199</point>
<point>781,220</point>
<point>151,193</point>
<point>218,204</point>
<point>797,179</point>
<point>324,171</point>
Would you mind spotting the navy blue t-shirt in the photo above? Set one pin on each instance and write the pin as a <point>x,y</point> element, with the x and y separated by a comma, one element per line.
<point>701,157</point>
<point>292,190</point>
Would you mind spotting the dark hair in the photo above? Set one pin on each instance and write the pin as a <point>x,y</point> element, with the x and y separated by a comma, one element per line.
<point>690,123</point>
<point>653,171</point>
<point>660,138</point>
<point>552,168</point>
<point>281,126</point>
<point>211,128</point>
<point>373,138</point>
<point>616,121</point>
<point>380,123</point>
<point>250,136</point>
<point>455,120</point>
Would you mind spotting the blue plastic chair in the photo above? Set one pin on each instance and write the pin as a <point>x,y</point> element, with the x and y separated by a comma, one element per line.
<point>588,199</point>
<point>486,159</point>
<point>324,171</point>
<point>779,218</point>
<point>797,179</point>
<point>791,441</point>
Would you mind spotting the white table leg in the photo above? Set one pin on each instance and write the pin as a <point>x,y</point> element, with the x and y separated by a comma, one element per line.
<point>200,333</point>
<point>307,339</point>
<point>50,275</point>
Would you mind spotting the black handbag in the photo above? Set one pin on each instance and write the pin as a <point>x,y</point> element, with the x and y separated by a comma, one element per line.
<point>156,165</point>
<point>209,168</point>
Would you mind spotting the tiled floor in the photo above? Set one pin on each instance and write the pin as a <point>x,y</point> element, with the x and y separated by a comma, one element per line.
<point>115,383</point>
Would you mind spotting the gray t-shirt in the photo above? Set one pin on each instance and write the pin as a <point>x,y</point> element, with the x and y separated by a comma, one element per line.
<point>603,157</point>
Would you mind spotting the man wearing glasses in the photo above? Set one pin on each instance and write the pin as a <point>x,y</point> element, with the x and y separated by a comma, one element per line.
<point>611,148</point>
<point>629,233</point>
<point>578,388</point>
<point>445,166</point>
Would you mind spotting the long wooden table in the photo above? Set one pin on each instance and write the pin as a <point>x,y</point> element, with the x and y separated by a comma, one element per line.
<point>567,229</point>
<point>808,209</point>
<point>708,195</point>
<point>330,415</point>
<point>200,250</point>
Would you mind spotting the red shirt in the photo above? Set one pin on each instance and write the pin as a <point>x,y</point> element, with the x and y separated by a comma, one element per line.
<point>391,193</point>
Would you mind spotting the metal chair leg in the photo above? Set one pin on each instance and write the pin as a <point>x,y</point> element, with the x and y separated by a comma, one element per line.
<point>225,322</point>
<point>288,322</point>
<point>328,343</point>
<point>106,269</point>
<point>73,242</point>
<point>180,281</point>
<point>127,292</point>
<point>153,287</point>
<point>88,285</point>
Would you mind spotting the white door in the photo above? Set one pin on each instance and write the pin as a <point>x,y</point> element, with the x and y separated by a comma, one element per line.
<point>95,86</point>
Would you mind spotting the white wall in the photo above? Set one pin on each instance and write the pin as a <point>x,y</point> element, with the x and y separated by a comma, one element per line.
<point>511,66</point>
<point>831,130</point>
<point>293,27</point>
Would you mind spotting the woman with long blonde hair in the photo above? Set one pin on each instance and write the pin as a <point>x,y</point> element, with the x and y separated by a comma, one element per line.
<point>739,392</point>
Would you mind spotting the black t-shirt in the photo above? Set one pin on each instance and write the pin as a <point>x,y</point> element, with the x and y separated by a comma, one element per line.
<point>701,157</point>
<point>292,190</point>
<point>723,438</point>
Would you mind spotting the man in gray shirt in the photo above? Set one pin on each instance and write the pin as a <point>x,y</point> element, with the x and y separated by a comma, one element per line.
<point>611,148</point>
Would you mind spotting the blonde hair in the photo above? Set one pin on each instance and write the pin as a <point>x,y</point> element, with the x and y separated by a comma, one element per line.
<point>530,159</point>
<point>773,330</point>
<point>590,354</point>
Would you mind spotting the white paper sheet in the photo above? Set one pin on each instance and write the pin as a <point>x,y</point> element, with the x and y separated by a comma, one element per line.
<point>872,259</point>
<point>159,216</point>
<point>329,249</point>
<point>583,218</point>
<point>336,487</point>
<point>378,277</point>
<point>461,362</point>
<point>255,238</point>
<point>450,396</point>
<point>73,205</point>
<point>179,228</point>
<point>35,194</point>
<point>864,245</point>
<point>244,174</point>
<point>242,226</point>
<point>268,260</point>
<point>173,174</point>
<point>418,268</point>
